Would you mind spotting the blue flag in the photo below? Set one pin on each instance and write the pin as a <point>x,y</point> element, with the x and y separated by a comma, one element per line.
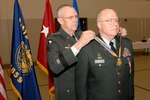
<point>23,78</point>
<point>76,8</point>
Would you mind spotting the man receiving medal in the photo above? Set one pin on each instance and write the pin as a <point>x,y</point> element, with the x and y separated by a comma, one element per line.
<point>105,69</point>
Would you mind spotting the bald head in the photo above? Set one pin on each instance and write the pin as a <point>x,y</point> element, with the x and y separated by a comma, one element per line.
<point>103,14</point>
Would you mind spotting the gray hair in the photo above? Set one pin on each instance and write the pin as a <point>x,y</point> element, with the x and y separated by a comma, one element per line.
<point>60,9</point>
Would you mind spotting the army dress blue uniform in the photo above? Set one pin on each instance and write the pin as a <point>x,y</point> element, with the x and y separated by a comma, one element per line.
<point>61,61</point>
<point>99,78</point>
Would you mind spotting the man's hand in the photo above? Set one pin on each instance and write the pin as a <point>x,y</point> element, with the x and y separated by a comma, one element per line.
<point>122,32</point>
<point>85,38</point>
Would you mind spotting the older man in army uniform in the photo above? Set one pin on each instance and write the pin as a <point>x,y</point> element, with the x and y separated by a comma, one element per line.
<point>105,70</point>
<point>62,48</point>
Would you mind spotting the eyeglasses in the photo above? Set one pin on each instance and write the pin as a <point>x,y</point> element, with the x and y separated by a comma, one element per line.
<point>110,21</point>
<point>71,17</point>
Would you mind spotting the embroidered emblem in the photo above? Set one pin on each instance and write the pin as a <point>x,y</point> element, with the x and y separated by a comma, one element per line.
<point>49,41</point>
<point>23,59</point>
<point>58,61</point>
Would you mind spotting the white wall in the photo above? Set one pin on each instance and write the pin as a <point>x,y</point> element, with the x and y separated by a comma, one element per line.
<point>135,11</point>
<point>33,9</point>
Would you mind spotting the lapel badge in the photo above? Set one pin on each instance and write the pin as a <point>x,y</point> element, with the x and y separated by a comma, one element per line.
<point>126,52</point>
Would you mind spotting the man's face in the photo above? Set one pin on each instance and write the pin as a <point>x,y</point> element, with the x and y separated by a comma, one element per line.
<point>108,23</point>
<point>69,20</point>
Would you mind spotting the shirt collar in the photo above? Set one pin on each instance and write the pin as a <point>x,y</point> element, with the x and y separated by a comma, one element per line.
<point>107,42</point>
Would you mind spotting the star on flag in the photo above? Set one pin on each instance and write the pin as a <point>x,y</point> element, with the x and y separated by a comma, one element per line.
<point>45,30</point>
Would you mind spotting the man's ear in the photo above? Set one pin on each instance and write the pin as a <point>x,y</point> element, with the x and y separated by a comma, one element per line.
<point>60,20</point>
<point>99,25</point>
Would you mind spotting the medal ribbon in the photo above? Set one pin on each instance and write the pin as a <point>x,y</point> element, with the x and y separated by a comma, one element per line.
<point>105,46</point>
<point>119,62</point>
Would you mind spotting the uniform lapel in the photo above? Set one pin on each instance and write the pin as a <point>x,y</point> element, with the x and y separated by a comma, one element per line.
<point>66,37</point>
<point>78,34</point>
<point>117,44</point>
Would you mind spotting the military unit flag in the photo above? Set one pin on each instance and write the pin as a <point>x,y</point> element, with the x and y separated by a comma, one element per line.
<point>23,78</point>
<point>48,27</point>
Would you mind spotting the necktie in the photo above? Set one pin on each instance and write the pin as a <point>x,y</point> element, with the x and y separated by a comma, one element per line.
<point>112,47</point>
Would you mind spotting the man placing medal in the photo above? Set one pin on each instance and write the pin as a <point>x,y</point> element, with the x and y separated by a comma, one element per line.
<point>105,69</point>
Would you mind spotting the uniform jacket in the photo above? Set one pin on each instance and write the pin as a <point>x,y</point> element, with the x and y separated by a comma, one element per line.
<point>98,77</point>
<point>61,61</point>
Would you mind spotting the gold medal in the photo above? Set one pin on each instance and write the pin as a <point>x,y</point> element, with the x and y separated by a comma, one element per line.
<point>119,62</point>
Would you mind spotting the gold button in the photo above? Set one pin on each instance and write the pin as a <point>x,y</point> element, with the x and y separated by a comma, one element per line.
<point>119,91</point>
<point>118,73</point>
<point>119,82</point>
<point>68,90</point>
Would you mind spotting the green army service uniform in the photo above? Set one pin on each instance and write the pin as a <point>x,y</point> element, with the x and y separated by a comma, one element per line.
<point>98,77</point>
<point>61,61</point>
